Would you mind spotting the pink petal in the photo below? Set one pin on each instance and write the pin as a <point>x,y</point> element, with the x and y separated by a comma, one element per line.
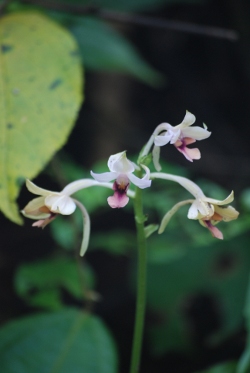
<point>43,222</point>
<point>188,153</point>
<point>118,200</point>
<point>214,231</point>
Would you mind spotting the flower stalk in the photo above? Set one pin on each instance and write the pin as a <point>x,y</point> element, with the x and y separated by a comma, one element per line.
<point>141,282</point>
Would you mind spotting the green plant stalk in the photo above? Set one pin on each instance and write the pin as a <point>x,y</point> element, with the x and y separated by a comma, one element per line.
<point>141,283</point>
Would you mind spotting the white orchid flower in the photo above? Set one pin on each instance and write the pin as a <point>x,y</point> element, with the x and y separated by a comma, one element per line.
<point>208,211</point>
<point>121,170</point>
<point>45,208</point>
<point>180,136</point>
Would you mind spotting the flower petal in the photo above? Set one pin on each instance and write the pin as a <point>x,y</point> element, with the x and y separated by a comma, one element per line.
<point>77,185</point>
<point>43,222</point>
<point>188,153</point>
<point>197,133</point>
<point>141,183</point>
<point>166,218</point>
<point>156,156</point>
<point>163,139</point>
<point>86,227</point>
<point>105,176</point>
<point>33,188</point>
<point>227,213</point>
<point>200,210</point>
<point>119,163</point>
<point>32,209</point>
<point>113,159</point>
<point>60,204</point>
<point>214,230</point>
<point>225,201</point>
<point>118,200</point>
<point>188,120</point>
<point>193,212</point>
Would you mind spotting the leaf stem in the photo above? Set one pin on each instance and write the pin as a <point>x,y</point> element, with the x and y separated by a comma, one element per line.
<point>141,283</point>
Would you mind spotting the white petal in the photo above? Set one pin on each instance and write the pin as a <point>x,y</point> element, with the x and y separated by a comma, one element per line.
<point>33,188</point>
<point>170,213</point>
<point>162,140</point>
<point>105,176</point>
<point>120,164</point>
<point>188,120</point>
<point>156,157</point>
<point>227,200</point>
<point>200,210</point>
<point>114,158</point>
<point>141,183</point>
<point>189,185</point>
<point>32,209</point>
<point>77,185</point>
<point>86,227</point>
<point>160,128</point>
<point>193,212</point>
<point>197,133</point>
<point>60,204</point>
<point>228,213</point>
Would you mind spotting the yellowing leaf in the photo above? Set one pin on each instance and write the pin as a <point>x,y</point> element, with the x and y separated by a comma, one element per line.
<point>40,95</point>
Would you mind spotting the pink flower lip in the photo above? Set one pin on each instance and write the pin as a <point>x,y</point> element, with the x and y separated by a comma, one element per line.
<point>214,230</point>
<point>43,222</point>
<point>120,198</point>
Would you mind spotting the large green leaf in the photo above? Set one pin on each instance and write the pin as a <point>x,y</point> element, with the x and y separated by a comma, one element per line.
<point>40,95</point>
<point>61,342</point>
<point>103,48</point>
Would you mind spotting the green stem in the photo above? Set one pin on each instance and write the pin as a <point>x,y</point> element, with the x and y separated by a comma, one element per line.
<point>141,283</point>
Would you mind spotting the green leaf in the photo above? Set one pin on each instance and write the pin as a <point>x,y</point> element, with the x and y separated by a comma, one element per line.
<point>60,342</point>
<point>40,95</point>
<point>41,283</point>
<point>103,48</point>
<point>229,367</point>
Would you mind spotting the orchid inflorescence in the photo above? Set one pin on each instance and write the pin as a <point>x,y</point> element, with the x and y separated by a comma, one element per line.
<point>45,208</point>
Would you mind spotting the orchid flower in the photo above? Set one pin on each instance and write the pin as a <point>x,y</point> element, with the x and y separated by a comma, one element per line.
<point>121,170</point>
<point>180,136</point>
<point>45,208</point>
<point>208,211</point>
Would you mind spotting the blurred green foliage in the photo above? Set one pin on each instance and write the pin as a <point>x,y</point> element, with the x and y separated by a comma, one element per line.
<point>42,283</point>
<point>63,342</point>
<point>221,368</point>
<point>104,49</point>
